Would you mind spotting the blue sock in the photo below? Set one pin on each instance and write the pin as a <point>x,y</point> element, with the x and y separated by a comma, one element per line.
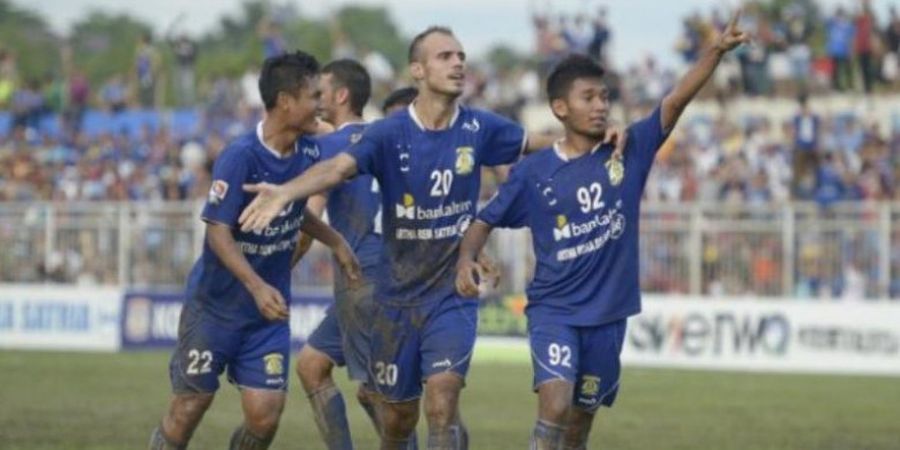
<point>547,436</point>
<point>331,418</point>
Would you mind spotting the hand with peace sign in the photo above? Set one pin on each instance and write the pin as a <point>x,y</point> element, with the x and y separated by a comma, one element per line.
<point>732,36</point>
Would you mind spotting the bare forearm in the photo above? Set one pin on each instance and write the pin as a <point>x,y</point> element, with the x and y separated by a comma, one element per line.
<point>225,248</point>
<point>314,206</point>
<point>689,85</point>
<point>320,231</point>
<point>322,177</point>
<point>473,241</point>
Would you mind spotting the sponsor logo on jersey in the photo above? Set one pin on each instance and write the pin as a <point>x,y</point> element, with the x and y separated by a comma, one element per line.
<point>274,363</point>
<point>562,230</point>
<point>407,210</point>
<point>311,151</point>
<point>217,191</point>
<point>465,160</point>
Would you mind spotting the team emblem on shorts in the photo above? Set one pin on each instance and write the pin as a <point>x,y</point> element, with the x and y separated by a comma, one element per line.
<point>616,170</point>
<point>274,363</point>
<point>590,385</point>
<point>465,160</point>
<point>217,191</point>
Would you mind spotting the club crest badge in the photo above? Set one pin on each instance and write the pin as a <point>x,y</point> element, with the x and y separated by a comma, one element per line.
<point>616,170</point>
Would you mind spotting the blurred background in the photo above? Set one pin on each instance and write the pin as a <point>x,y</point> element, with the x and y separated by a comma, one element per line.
<point>770,237</point>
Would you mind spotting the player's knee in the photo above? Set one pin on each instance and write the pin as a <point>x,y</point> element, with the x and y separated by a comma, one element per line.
<point>263,424</point>
<point>399,419</point>
<point>313,368</point>
<point>364,397</point>
<point>555,409</point>
<point>187,410</point>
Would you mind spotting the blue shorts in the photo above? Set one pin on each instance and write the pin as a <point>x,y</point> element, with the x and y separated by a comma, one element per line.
<point>412,343</point>
<point>587,357</point>
<point>255,356</point>
<point>344,335</point>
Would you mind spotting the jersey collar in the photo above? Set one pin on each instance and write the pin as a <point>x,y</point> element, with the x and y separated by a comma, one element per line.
<point>348,124</point>
<point>415,118</point>
<point>562,155</point>
<point>275,153</point>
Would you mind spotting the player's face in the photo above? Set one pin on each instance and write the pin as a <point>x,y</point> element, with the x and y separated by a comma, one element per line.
<point>303,106</point>
<point>585,109</point>
<point>441,67</point>
<point>328,104</point>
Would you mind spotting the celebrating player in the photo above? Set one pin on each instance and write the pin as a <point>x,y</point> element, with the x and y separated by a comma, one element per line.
<point>235,313</point>
<point>427,160</point>
<point>343,337</point>
<point>582,207</point>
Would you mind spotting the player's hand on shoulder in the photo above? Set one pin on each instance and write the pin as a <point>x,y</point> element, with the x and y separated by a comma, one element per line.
<point>269,201</point>
<point>270,302</point>
<point>616,134</point>
<point>349,265</point>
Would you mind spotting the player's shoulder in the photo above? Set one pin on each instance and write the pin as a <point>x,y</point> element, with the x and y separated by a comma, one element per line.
<point>240,148</point>
<point>331,143</point>
<point>476,119</point>
<point>308,146</point>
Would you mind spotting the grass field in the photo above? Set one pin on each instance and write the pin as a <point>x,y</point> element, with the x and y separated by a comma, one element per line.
<point>112,401</point>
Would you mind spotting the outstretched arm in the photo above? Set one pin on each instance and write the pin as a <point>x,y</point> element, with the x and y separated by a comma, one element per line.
<point>677,100</point>
<point>271,199</point>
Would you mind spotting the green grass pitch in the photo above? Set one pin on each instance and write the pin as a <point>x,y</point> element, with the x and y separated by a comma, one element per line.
<point>112,401</point>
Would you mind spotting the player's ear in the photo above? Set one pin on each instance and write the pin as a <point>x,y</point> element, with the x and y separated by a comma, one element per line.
<point>417,70</point>
<point>281,101</point>
<point>342,95</point>
<point>559,107</point>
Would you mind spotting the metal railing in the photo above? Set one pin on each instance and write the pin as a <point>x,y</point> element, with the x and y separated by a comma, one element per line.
<point>850,250</point>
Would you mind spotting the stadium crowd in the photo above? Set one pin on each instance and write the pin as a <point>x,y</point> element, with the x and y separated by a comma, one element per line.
<point>63,139</point>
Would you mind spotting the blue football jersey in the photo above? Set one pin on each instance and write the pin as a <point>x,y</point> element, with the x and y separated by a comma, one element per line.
<point>354,207</point>
<point>583,215</point>
<point>429,182</point>
<point>211,286</point>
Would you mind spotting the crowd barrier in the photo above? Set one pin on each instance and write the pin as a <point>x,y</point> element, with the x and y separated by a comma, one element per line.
<point>685,332</point>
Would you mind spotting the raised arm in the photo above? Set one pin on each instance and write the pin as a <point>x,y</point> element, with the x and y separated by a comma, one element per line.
<point>268,299</point>
<point>677,100</point>
<point>271,199</point>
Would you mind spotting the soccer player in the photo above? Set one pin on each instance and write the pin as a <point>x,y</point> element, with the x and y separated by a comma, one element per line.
<point>354,211</point>
<point>582,207</point>
<point>399,99</point>
<point>427,160</point>
<point>235,313</point>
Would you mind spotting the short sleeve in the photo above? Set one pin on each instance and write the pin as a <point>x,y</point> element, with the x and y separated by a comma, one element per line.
<point>369,149</point>
<point>503,141</point>
<point>508,208</point>
<point>645,137</point>
<point>226,195</point>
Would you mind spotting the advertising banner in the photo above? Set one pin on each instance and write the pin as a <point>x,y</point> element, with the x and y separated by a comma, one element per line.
<point>59,318</point>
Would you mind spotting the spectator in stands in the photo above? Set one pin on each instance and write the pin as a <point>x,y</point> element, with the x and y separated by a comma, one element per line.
<point>839,45</point>
<point>114,94</point>
<point>891,66</point>
<point>600,37</point>
<point>185,50</point>
<point>7,77</point>
<point>146,71</point>
<point>806,131</point>
<point>865,32</point>
<point>797,33</point>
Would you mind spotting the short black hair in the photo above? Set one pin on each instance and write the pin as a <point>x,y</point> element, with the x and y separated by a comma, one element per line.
<point>402,96</point>
<point>568,70</point>
<point>286,73</point>
<point>353,76</point>
<point>413,54</point>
